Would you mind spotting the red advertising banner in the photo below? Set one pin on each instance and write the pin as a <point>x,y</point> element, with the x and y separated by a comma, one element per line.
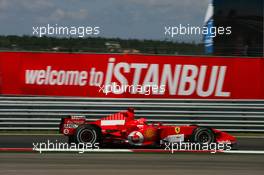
<point>131,76</point>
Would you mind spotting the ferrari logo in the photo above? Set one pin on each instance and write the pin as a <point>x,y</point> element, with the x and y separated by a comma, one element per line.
<point>177,130</point>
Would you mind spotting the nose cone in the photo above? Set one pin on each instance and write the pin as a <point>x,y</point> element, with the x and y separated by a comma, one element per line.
<point>225,137</point>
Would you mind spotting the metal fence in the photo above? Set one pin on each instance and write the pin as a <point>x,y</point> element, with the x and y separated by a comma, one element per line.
<point>44,113</point>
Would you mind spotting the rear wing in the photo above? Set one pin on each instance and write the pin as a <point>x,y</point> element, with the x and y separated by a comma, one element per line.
<point>69,124</point>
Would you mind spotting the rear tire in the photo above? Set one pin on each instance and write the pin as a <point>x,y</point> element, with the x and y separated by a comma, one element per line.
<point>88,134</point>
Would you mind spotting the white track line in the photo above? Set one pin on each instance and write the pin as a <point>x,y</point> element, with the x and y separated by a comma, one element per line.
<point>250,137</point>
<point>84,151</point>
<point>126,151</point>
<point>244,152</point>
<point>131,150</point>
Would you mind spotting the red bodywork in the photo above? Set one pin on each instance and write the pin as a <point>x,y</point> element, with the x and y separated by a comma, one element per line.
<point>123,128</point>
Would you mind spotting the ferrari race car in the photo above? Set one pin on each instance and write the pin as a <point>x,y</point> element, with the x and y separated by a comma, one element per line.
<point>122,128</point>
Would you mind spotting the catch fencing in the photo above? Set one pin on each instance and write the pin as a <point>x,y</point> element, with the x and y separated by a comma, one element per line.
<point>45,113</point>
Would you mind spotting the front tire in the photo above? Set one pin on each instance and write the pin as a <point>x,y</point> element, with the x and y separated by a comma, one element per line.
<point>203,135</point>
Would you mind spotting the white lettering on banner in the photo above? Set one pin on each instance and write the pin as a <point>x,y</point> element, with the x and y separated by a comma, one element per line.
<point>138,68</point>
<point>184,80</point>
<point>219,87</point>
<point>189,73</point>
<point>152,76</point>
<point>167,76</point>
<point>55,77</point>
<point>176,79</point>
<point>110,67</point>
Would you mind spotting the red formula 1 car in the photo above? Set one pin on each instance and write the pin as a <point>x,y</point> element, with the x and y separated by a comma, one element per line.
<point>122,128</point>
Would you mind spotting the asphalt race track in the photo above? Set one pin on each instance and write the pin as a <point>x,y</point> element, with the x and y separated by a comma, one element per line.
<point>12,163</point>
<point>130,163</point>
